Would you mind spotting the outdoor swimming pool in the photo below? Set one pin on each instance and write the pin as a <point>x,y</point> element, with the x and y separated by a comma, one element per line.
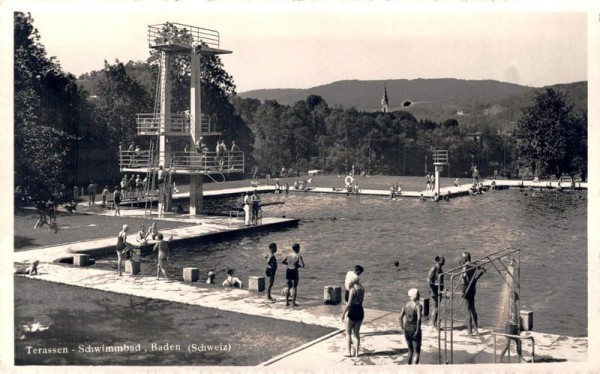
<point>550,227</point>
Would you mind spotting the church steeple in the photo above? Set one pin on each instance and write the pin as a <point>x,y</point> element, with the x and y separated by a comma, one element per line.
<point>384,100</point>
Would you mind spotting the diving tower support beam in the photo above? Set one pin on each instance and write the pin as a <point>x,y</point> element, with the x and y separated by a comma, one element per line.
<point>164,147</point>
<point>196,187</point>
<point>436,188</point>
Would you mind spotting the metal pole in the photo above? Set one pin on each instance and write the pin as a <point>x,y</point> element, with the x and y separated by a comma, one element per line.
<point>452,324</point>
<point>404,158</point>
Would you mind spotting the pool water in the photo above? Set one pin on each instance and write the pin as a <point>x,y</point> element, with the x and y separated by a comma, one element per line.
<point>337,232</point>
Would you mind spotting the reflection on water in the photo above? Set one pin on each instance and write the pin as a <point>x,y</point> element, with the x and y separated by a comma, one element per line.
<point>549,227</point>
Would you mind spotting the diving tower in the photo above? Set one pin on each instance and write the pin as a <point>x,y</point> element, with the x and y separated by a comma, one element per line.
<point>171,39</point>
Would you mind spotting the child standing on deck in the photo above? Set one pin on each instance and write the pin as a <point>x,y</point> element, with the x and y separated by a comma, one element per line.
<point>271,269</point>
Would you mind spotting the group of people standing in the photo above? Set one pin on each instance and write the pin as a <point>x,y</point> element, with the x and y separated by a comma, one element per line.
<point>125,249</point>
<point>222,153</point>
<point>429,182</point>
<point>293,262</point>
<point>471,272</point>
<point>411,314</point>
<point>252,208</point>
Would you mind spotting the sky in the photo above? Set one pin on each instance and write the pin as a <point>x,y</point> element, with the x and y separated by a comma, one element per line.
<point>302,45</point>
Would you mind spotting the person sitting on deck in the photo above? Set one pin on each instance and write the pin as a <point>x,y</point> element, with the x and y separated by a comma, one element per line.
<point>456,183</point>
<point>142,235</point>
<point>232,281</point>
<point>29,270</point>
<point>473,189</point>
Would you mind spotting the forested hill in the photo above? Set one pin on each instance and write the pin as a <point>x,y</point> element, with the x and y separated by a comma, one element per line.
<point>434,98</point>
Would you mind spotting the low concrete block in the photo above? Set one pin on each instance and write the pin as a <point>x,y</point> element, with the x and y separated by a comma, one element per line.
<point>132,267</point>
<point>527,320</point>
<point>256,283</point>
<point>191,274</point>
<point>332,295</point>
<point>81,260</point>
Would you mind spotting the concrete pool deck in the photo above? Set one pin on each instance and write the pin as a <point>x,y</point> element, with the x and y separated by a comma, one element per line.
<point>382,341</point>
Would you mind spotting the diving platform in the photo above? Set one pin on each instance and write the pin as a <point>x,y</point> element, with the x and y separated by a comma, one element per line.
<point>180,38</point>
<point>185,163</point>
<point>177,125</point>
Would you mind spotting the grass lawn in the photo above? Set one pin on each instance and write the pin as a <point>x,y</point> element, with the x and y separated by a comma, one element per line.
<point>50,315</point>
<point>76,228</point>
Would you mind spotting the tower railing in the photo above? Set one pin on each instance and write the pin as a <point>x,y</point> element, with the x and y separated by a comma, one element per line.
<point>208,161</point>
<point>230,162</point>
<point>141,159</point>
<point>179,34</point>
<point>179,124</point>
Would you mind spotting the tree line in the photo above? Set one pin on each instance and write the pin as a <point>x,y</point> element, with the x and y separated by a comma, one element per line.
<point>65,135</point>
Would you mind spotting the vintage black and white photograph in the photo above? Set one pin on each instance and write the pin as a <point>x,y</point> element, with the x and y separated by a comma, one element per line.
<point>299,186</point>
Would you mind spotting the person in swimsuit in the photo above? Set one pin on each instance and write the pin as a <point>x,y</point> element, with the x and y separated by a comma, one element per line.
<point>247,208</point>
<point>104,196</point>
<point>29,270</point>
<point>141,236</point>
<point>271,269</point>
<point>356,313</point>
<point>163,252</point>
<point>352,276</point>
<point>435,288</point>
<point>211,277</point>
<point>410,321</point>
<point>255,199</point>
<point>232,281</point>
<point>117,201</point>
<point>293,261</point>
<point>471,274</point>
<point>122,246</point>
<point>153,229</point>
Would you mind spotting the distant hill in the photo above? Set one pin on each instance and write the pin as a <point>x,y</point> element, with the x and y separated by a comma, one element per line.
<point>366,95</point>
<point>473,103</point>
<point>469,101</point>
